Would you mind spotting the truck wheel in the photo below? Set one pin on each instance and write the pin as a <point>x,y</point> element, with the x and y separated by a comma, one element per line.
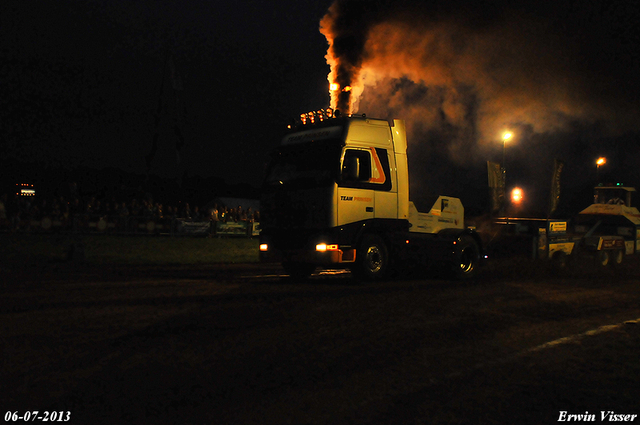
<point>603,258</point>
<point>298,271</point>
<point>617,258</point>
<point>467,258</point>
<point>372,259</point>
<point>559,261</point>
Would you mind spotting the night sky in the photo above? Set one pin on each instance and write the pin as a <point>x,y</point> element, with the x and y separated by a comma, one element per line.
<point>93,83</point>
<point>82,82</point>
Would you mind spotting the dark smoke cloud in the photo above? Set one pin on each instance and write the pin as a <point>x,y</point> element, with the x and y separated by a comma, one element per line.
<point>346,26</point>
<point>467,70</point>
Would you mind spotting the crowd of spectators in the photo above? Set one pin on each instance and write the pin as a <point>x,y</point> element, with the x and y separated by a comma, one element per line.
<point>23,212</point>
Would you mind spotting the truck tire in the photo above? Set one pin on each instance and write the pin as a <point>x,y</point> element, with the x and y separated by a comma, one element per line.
<point>298,271</point>
<point>603,258</point>
<point>467,258</point>
<point>372,259</point>
<point>559,261</point>
<point>617,258</point>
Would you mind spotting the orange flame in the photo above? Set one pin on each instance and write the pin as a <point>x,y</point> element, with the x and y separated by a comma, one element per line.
<point>346,38</point>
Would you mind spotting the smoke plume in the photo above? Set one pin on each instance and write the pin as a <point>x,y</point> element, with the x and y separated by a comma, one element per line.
<point>468,70</point>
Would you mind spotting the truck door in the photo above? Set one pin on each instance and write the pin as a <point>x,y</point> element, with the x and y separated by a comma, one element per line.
<point>355,194</point>
<point>385,195</point>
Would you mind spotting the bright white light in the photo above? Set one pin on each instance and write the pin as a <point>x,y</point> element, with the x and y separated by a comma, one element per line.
<point>322,247</point>
<point>517,195</point>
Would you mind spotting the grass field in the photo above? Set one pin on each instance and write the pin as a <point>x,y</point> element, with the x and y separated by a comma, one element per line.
<point>105,249</point>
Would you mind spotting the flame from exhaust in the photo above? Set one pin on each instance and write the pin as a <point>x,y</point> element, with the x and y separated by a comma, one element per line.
<point>345,27</point>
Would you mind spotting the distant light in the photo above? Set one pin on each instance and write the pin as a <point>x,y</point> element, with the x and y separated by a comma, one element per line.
<point>347,88</point>
<point>517,195</point>
<point>334,87</point>
<point>25,189</point>
<point>507,135</point>
<point>601,161</point>
<point>264,247</point>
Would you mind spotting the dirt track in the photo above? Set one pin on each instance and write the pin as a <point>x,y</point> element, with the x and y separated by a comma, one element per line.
<point>239,345</point>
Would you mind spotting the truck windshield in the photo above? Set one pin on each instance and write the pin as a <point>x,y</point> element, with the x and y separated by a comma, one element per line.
<point>304,166</point>
<point>613,196</point>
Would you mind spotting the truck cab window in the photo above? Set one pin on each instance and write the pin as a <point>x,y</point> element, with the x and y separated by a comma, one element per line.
<point>356,166</point>
<point>365,169</point>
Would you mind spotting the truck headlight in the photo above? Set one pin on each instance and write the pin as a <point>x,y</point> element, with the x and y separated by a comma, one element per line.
<point>322,247</point>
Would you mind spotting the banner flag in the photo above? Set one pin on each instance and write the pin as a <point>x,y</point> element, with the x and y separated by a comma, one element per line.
<point>555,186</point>
<point>496,186</point>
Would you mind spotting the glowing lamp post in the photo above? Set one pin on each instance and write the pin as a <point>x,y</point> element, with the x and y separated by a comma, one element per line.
<point>505,137</point>
<point>517,196</point>
<point>600,162</point>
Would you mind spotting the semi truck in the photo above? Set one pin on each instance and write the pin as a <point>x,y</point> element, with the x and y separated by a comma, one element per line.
<point>336,195</point>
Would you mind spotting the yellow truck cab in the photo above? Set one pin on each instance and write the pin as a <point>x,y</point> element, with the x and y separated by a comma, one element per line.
<point>336,194</point>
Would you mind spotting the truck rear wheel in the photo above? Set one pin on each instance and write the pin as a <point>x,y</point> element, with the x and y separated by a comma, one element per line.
<point>298,270</point>
<point>603,258</point>
<point>372,259</point>
<point>467,258</point>
<point>617,257</point>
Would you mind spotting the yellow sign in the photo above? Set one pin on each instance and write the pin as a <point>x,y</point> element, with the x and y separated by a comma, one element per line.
<point>558,226</point>
<point>566,247</point>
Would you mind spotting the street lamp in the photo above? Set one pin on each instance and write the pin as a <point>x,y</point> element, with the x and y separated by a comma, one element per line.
<point>505,137</point>
<point>517,195</point>
<point>600,162</point>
